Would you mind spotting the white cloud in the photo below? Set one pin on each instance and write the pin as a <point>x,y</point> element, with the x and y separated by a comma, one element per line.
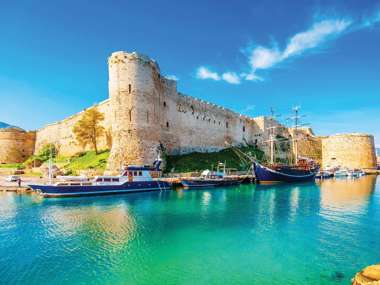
<point>251,77</point>
<point>261,57</point>
<point>231,77</point>
<point>204,73</point>
<point>315,36</point>
<point>264,58</point>
<point>172,77</point>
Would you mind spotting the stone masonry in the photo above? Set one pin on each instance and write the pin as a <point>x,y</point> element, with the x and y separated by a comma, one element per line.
<point>145,116</point>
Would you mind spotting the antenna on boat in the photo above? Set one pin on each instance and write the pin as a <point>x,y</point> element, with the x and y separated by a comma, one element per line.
<point>50,170</point>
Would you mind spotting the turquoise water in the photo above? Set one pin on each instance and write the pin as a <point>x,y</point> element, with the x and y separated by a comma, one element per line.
<point>289,234</point>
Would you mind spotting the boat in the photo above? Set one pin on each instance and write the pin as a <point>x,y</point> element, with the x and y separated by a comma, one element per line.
<point>283,173</point>
<point>303,169</point>
<point>324,174</point>
<point>210,179</point>
<point>133,178</point>
<point>342,173</point>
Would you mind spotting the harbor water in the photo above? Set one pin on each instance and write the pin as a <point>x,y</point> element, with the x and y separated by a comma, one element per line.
<point>315,233</point>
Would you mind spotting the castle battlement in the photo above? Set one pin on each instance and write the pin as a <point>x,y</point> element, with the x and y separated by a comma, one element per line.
<point>145,116</point>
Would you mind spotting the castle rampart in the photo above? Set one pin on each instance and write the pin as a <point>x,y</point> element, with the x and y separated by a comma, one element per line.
<point>61,133</point>
<point>150,116</point>
<point>145,116</point>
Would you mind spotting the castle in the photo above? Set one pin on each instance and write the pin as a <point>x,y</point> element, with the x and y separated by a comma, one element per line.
<point>145,115</point>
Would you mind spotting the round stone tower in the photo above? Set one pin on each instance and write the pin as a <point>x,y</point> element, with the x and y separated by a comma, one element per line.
<point>134,92</point>
<point>16,145</point>
<point>349,150</point>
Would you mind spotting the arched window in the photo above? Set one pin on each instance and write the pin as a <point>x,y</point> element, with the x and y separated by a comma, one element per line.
<point>167,124</point>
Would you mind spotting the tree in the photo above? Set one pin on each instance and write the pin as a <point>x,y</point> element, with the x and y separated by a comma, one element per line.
<point>88,129</point>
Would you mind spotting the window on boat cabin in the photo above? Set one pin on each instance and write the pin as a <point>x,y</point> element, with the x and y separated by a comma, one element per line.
<point>99,179</point>
<point>134,173</point>
<point>75,184</point>
<point>115,179</point>
<point>129,88</point>
<point>107,179</point>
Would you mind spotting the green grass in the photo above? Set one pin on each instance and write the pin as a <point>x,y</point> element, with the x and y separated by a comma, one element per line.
<point>197,161</point>
<point>11,165</point>
<point>88,160</point>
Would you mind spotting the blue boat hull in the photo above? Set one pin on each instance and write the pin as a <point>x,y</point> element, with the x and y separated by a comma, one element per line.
<point>91,190</point>
<point>285,174</point>
<point>207,183</point>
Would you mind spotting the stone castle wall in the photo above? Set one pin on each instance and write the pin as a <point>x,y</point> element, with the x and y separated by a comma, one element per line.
<point>62,136</point>
<point>349,150</point>
<point>16,145</point>
<point>146,116</point>
<point>149,116</point>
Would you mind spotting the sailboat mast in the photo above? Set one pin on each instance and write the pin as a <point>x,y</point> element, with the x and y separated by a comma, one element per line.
<point>295,139</point>
<point>271,137</point>
<point>51,166</point>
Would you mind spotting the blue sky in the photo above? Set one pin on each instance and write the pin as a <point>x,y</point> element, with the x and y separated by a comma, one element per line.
<point>245,55</point>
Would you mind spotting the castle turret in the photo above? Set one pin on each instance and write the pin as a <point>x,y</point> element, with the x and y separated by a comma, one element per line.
<point>134,92</point>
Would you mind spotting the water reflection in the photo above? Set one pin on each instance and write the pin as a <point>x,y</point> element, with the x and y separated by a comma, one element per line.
<point>347,194</point>
<point>112,225</point>
<point>7,205</point>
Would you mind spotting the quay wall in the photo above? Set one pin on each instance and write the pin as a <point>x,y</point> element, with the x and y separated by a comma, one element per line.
<point>16,145</point>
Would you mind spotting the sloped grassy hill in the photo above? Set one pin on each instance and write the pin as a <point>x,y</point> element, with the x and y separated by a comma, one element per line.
<point>87,160</point>
<point>197,161</point>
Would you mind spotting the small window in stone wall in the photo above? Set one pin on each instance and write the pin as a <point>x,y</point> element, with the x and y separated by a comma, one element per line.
<point>147,117</point>
<point>129,88</point>
<point>243,128</point>
<point>164,103</point>
<point>197,117</point>
<point>226,124</point>
<point>167,124</point>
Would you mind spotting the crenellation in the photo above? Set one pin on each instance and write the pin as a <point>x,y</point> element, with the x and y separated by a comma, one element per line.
<point>145,116</point>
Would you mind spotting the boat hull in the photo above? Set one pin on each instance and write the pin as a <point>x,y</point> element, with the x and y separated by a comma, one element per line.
<point>266,175</point>
<point>50,191</point>
<point>208,183</point>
